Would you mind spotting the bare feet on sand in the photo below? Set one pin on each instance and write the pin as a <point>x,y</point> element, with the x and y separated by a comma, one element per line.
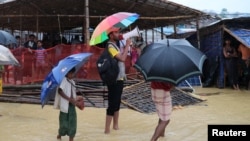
<point>107,131</point>
<point>115,127</point>
<point>236,87</point>
<point>58,137</point>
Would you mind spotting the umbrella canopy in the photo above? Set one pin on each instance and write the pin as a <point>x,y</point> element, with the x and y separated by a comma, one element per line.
<point>57,74</point>
<point>169,41</point>
<point>6,57</point>
<point>173,42</point>
<point>120,20</point>
<point>170,63</point>
<point>6,38</point>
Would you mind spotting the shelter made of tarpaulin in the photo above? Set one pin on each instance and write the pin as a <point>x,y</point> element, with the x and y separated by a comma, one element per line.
<point>211,44</point>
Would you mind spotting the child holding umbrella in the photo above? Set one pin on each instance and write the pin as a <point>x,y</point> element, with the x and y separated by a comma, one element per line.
<point>66,100</point>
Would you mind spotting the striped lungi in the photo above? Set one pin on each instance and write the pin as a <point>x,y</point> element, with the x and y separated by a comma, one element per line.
<point>163,103</point>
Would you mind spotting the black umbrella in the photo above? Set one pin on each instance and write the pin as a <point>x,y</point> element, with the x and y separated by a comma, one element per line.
<point>170,62</point>
<point>6,38</point>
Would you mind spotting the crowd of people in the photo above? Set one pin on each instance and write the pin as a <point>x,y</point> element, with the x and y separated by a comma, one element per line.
<point>30,55</point>
<point>35,59</point>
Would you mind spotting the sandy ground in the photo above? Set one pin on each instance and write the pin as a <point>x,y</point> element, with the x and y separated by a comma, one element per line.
<point>28,122</point>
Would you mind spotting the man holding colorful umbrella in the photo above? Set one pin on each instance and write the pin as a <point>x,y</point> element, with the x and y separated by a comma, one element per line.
<point>115,89</point>
<point>109,29</point>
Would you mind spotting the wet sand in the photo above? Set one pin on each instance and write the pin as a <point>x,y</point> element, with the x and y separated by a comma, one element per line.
<point>28,122</point>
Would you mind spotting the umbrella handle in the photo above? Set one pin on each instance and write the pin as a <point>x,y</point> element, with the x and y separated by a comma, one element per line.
<point>87,98</point>
<point>189,85</point>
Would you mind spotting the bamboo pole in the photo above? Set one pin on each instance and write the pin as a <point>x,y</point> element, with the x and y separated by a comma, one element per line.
<point>87,22</point>
<point>198,33</point>
<point>153,36</point>
<point>162,33</point>
<point>37,25</point>
<point>175,30</point>
<point>20,28</point>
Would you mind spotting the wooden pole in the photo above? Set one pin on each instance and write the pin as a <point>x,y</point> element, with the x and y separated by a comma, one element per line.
<point>153,36</point>
<point>87,35</point>
<point>37,25</point>
<point>162,33</point>
<point>20,28</point>
<point>175,30</point>
<point>198,32</point>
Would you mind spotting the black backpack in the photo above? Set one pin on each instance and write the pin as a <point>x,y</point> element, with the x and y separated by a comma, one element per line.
<point>107,67</point>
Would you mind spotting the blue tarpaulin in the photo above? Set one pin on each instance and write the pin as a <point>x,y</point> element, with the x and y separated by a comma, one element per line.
<point>242,35</point>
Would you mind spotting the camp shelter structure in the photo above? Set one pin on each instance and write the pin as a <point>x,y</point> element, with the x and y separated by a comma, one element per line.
<point>211,43</point>
<point>60,15</point>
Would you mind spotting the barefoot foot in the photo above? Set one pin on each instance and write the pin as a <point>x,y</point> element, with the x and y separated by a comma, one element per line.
<point>107,131</point>
<point>115,127</point>
<point>58,137</point>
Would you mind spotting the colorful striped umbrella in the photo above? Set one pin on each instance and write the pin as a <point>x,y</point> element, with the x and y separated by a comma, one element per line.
<point>120,20</point>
